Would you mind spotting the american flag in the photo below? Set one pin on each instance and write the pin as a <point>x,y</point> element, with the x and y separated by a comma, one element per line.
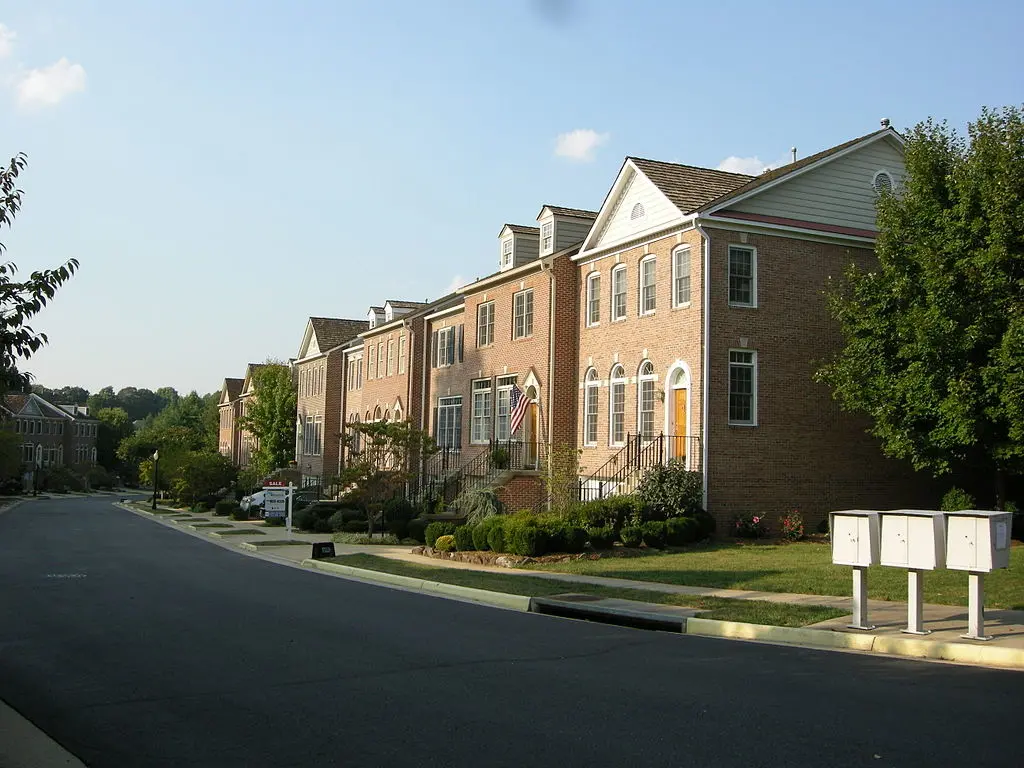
<point>518,403</point>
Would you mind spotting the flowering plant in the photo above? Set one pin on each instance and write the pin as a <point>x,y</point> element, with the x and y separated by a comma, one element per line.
<point>793,526</point>
<point>750,527</point>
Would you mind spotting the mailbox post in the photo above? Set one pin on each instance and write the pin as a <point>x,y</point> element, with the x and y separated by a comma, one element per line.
<point>914,539</point>
<point>854,535</point>
<point>977,541</point>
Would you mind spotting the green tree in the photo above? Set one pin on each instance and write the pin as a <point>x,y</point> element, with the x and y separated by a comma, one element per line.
<point>104,398</point>
<point>21,301</point>
<point>200,474</point>
<point>114,427</point>
<point>63,395</point>
<point>934,350</point>
<point>270,417</point>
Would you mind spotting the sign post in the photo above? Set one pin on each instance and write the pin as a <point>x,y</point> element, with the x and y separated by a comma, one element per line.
<point>291,494</point>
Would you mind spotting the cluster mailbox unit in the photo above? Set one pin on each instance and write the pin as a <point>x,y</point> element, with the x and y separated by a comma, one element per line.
<point>914,539</point>
<point>855,542</point>
<point>978,542</point>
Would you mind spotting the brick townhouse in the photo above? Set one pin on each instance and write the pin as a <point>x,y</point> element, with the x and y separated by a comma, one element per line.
<point>229,432</point>
<point>51,435</point>
<point>246,440</point>
<point>515,328</point>
<point>320,379</point>
<point>702,317</point>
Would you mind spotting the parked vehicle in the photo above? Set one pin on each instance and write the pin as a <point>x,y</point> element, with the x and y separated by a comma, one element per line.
<point>255,500</point>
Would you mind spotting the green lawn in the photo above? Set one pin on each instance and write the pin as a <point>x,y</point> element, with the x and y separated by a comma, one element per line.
<point>241,532</point>
<point>210,525</point>
<point>751,611</point>
<point>804,567</point>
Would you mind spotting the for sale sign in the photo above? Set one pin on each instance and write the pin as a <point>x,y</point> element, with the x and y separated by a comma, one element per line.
<point>275,502</point>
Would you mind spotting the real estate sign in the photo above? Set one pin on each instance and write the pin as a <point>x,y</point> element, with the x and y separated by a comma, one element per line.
<point>275,500</point>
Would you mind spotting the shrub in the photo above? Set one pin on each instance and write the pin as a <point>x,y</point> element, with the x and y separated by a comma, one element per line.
<point>445,543</point>
<point>670,490</point>
<point>575,538</point>
<point>398,528</point>
<point>750,527</point>
<point>957,499</point>
<point>482,532</point>
<point>348,515</point>
<point>792,526</point>
<point>200,508</point>
<point>464,538</point>
<point>274,522</point>
<point>398,509</point>
<point>500,458</point>
<point>706,521</point>
<point>225,507</point>
<point>354,499</point>
<point>613,512</point>
<point>525,539</point>
<point>100,478</point>
<point>337,521</point>
<point>680,531</point>
<point>239,514</point>
<point>417,529</point>
<point>437,529</point>
<point>823,526</point>
<point>304,519</point>
<point>601,538</point>
<point>555,532</point>
<point>362,538</point>
<point>653,533</point>
<point>631,535</point>
<point>352,526</point>
<point>496,535</point>
<point>478,505</point>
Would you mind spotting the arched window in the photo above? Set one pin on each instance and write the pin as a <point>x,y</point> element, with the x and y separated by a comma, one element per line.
<point>590,395</point>
<point>617,406</point>
<point>397,414</point>
<point>638,212</point>
<point>645,397</point>
<point>377,413</point>
<point>354,441</point>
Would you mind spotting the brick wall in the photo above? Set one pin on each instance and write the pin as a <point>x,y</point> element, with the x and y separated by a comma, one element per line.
<point>523,490</point>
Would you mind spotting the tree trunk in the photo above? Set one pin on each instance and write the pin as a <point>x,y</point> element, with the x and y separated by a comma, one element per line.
<point>1000,488</point>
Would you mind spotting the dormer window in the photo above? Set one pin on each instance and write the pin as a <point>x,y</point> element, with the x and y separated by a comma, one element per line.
<point>506,253</point>
<point>547,236</point>
<point>373,321</point>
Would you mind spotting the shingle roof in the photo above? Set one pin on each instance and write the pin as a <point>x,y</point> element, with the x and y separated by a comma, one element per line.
<point>332,332</point>
<point>578,213</point>
<point>519,229</point>
<point>687,186</point>
<point>378,310</point>
<point>406,304</point>
<point>234,387</point>
<point>785,170</point>
<point>15,402</point>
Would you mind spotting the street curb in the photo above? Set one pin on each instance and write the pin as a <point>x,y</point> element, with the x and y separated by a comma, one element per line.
<point>497,599</point>
<point>982,655</point>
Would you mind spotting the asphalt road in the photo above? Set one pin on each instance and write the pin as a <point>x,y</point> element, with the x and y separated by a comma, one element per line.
<point>133,644</point>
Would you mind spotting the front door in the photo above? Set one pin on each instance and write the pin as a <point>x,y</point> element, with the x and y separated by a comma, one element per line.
<point>679,426</point>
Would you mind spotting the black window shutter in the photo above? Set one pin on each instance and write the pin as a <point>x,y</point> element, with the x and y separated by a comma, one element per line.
<point>435,422</point>
<point>433,349</point>
<point>450,356</point>
<point>460,342</point>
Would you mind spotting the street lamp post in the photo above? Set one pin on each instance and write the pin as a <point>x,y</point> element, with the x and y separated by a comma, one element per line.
<point>156,475</point>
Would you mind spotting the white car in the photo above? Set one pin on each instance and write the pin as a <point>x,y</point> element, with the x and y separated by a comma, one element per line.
<point>256,500</point>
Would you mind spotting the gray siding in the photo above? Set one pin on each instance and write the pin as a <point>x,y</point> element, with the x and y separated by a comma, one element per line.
<point>525,249</point>
<point>837,193</point>
<point>570,231</point>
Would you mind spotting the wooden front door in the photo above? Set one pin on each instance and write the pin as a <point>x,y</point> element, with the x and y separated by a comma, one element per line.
<point>680,401</point>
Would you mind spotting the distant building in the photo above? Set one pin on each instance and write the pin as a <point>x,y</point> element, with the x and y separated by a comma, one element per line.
<point>52,436</point>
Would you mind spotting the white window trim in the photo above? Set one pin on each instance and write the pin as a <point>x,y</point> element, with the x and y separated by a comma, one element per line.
<point>612,381</point>
<point>523,293</point>
<point>591,393</point>
<point>507,259</point>
<point>642,378</point>
<point>753,273</point>
<point>675,276</point>
<point>473,392</point>
<point>728,391</point>
<point>640,286</point>
<point>499,389</point>
<point>442,333</point>
<point>619,269</point>
<point>591,279</point>
<point>551,245</point>
<point>479,309</point>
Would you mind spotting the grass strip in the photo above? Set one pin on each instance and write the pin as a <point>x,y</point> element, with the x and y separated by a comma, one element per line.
<point>750,611</point>
<point>241,532</point>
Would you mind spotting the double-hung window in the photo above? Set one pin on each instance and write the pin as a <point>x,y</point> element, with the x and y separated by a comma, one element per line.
<point>401,353</point>
<point>522,314</point>
<point>448,426</point>
<point>681,276</point>
<point>371,366</point>
<point>485,324</point>
<point>645,406</point>
<point>619,292</point>
<point>591,389</point>
<point>617,406</point>
<point>742,276</point>
<point>506,253</point>
<point>504,408</point>
<point>391,356</point>
<point>648,285</point>
<point>743,387</point>
<point>446,347</point>
<point>546,236</point>
<point>482,403</point>
<point>594,298</point>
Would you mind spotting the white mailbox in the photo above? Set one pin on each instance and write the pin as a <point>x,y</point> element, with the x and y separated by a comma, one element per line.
<point>854,534</point>
<point>978,540</point>
<point>913,538</point>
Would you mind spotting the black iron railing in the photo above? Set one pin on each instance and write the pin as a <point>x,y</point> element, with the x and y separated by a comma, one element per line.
<point>621,473</point>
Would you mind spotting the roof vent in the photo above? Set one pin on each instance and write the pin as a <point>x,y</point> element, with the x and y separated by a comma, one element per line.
<point>882,182</point>
<point>885,122</point>
<point>638,212</point>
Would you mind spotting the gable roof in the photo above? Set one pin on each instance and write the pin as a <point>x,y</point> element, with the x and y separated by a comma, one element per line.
<point>688,187</point>
<point>333,332</point>
<point>32,404</point>
<point>233,388</point>
<point>405,304</point>
<point>519,229</point>
<point>779,173</point>
<point>577,213</point>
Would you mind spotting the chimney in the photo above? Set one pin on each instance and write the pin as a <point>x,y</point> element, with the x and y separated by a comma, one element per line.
<point>885,122</point>
<point>793,150</point>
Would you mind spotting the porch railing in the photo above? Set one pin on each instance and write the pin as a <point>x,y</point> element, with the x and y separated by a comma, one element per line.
<point>621,473</point>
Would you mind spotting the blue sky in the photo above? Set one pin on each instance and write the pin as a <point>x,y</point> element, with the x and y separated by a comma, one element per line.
<point>225,168</point>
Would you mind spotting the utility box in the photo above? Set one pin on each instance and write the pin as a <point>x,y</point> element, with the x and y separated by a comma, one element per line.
<point>855,537</point>
<point>913,539</point>
<point>978,540</point>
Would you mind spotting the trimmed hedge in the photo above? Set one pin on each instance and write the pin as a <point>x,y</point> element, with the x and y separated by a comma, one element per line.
<point>225,507</point>
<point>353,526</point>
<point>496,536</point>
<point>239,514</point>
<point>653,534</point>
<point>631,535</point>
<point>464,538</point>
<point>445,543</point>
<point>680,531</point>
<point>438,529</point>
<point>601,538</point>
<point>417,529</point>
<point>482,532</point>
<point>398,528</point>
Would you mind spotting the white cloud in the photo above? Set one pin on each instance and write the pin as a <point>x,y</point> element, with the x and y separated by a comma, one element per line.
<point>457,282</point>
<point>579,144</point>
<point>7,36</point>
<point>752,166</point>
<point>47,86</point>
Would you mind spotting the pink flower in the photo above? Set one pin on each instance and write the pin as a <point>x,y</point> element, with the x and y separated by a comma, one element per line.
<point>757,520</point>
